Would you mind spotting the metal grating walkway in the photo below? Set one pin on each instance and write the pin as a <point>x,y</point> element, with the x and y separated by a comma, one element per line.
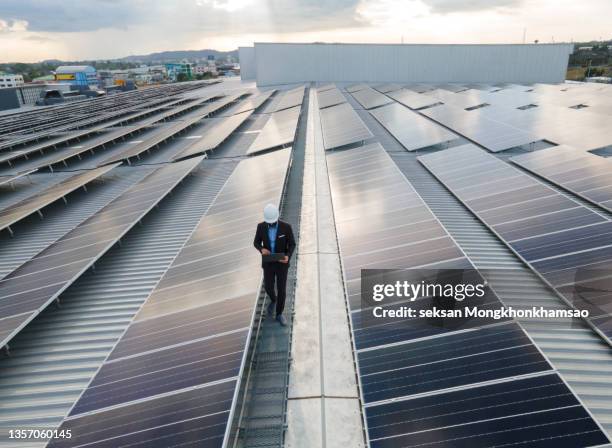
<point>264,419</point>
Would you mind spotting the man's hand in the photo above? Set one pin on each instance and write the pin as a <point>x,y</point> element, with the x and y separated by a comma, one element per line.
<point>265,251</point>
<point>285,260</point>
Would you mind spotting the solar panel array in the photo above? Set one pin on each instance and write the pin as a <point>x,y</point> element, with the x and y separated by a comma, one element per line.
<point>44,124</point>
<point>342,126</point>
<point>569,245</point>
<point>412,99</point>
<point>580,172</point>
<point>493,135</point>
<point>370,98</point>
<point>33,204</point>
<point>426,384</point>
<point>166,133</point>
<point>279,130</point>
<point>412,130</point>
<point>214,135</point>
<point>26,291</point>
<point>330,97</point>
<point>172,377</point>
<point>561,125</point>
<point>105,134</point>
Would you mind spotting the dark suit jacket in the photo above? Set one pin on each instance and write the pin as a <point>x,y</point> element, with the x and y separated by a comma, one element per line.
<point>285,242</point>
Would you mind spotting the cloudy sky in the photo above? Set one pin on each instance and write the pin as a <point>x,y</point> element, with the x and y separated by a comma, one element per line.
<point>33,30</point>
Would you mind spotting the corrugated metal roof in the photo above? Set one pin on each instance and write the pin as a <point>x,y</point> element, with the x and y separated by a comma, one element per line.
<point>57,354</point>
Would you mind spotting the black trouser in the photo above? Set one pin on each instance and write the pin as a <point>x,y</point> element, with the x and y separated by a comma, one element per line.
<point>276,273</point>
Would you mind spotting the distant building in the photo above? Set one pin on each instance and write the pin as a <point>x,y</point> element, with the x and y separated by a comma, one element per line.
<point>10,80</point>
<point>174,69</point>
<point>201,69</point>
<point>44,79</point>
<point>25,95</point>
<point>585,48</point>
<point>78,75</point>
<point>600,79</point>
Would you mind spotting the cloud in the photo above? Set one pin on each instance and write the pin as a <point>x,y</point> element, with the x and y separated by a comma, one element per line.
<point>205,15</point>
<point>449,6</point>
<point>13,26</point>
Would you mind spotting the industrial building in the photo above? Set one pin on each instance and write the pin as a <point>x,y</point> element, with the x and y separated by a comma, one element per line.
<point>25,95</point>
<point>284,63</point>
<point>174,69</point>
<point>77,75</point>
<point>10,80</point>
<point>131,295</point>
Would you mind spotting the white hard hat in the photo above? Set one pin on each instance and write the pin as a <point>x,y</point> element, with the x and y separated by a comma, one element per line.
<point>270,213</point>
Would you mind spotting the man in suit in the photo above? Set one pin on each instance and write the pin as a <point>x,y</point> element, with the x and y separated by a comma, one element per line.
<point>275,237</point>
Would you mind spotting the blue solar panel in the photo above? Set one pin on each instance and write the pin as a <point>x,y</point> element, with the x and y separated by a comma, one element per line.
<point>427,381</point>
<point>539,412</point>
<point>565,242</point>
<point>28,290</point>
<point>581,172</point>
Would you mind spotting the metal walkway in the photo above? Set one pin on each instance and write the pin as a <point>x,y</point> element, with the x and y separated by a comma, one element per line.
<point>263,421</point>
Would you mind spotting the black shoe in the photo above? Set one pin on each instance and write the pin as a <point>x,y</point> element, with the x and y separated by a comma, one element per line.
<point>271,307</point>
<point>281,320</point>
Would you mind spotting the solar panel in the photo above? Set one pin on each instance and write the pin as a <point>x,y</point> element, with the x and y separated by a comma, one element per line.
<point>7,156</point>
<point>279,130</point>
<point>419,88</point>
<point>386,88</point>
<point>560,125</point>
<point>356,87</point>
<point>290,98</point>
<point>214,135</point>
<point>29,289</point>
<point>326,87</point>
<point>370,98</point>
<point>173,374</point>
<point>412,130</point>
<point>112,135</point>
<point>250,104</point>
<point>165,133</point>
<point>467,357</point>
<point>342,126</point>
<point>330,97</point>
<point>33,204</point>
<point>474,125</point>
<point>9,179</point>
<point>196,417</point>
<point>535,412</point>
<point>408,368</point>
<point>580,172</point>
<point>412,99</point>
<point>462,99</point>
<point>566,243</point>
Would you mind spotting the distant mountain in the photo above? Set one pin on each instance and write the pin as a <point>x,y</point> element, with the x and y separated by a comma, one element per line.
<point>173,56</point>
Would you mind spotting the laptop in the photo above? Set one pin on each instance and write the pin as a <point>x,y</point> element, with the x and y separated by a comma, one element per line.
<point>272,257</point>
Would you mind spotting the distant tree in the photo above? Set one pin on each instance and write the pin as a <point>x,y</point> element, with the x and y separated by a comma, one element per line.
<point>182,77</point>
